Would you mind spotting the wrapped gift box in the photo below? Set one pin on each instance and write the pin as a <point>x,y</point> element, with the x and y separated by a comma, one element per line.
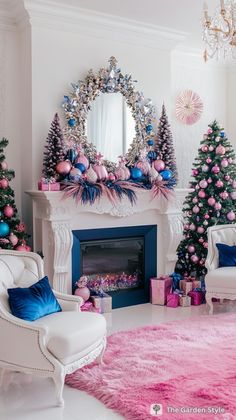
<point>197,297</point>
<point>101,301</point>
<point>48,186</point>
<point>88,307</point>
<point>160,288</point>
<point>186,285</point>
<point>197,284</point>
<point>185,300</point>
<point>172,300</point>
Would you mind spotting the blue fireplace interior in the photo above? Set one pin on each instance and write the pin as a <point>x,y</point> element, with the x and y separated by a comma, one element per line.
<point>119,261</point>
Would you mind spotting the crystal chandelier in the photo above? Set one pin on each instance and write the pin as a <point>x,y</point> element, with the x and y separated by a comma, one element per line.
<point>219,31</point>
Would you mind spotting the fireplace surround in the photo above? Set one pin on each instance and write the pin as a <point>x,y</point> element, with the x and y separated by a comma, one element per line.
<point>55,218</point>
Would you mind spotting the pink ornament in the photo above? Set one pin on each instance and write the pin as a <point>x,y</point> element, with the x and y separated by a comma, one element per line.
<point>191,249</point>
<point>215,169</point>
<point>91,175</point>
<point>209,131</point>
<point>4,183</point>
<point>159,165</point>
<point>211,148</point>
<point>101,171</point>
<point>204,148</point>
<point>200,229</point>
<point>219,183</point>
<point>209,180</point>
<point>196,209</point>
<point>8,211</point>
<point>227,177</point>
<point>64,167</point>
<point>206,216</point>
<point>211,201</point>
<point>202,194</point>
<point>195,200</point>
<point>220,150</point>
<point>122,172</point>
<point>205,168</point>
<point>234,184</point>
<point>13,239</point>
<point>203,183</point>
<point>205,244</point>
<point>224,163</point>
<point>231,216</point>
<point>4,165</point>
<point>111,177</point>
<point>144,165</point>
<point>208,160</point>
<point>201,240</point>
<point>192,227</point>
<point>217,206</point>
<point>233,195</point>
<point>20,248</point>
<point>186,226</point>
<point>224,195</point>
<point>195,172</point>
<point>20,227</point>
<point>194,258</point>
<point>230,160</point>
<point>83,292</point>
<point>82,159</point>
<point>27,248</point>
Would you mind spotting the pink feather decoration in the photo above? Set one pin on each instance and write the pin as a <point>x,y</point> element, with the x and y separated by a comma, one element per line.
<point>159,188</point>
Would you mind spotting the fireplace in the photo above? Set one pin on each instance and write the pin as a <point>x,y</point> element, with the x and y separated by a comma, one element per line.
<point>120,261</point>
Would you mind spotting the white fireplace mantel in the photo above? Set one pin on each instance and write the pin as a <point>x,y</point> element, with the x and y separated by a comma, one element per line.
<point>55,217</point>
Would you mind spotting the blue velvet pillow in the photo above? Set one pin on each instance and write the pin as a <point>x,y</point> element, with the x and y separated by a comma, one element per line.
<point>31,303</point>
<point>227,255</point>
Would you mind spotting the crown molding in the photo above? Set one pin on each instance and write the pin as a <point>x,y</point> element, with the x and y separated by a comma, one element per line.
<point>52,15</point>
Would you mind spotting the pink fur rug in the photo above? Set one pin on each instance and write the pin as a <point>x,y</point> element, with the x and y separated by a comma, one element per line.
<point>189,363</point>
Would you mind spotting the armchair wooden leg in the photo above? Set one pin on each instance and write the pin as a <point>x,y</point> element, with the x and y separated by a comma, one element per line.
<point>210,303</point>
<point>100,357</point>
<point>59,380</point>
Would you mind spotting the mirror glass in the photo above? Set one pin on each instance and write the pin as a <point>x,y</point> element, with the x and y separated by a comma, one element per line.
<point>110,125</point>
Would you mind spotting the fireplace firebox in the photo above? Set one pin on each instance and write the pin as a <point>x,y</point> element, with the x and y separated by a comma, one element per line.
<point>120,261</point>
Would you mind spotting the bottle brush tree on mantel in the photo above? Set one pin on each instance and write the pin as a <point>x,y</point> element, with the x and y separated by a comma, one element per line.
<point>212,201</point>
<point>54,149</point>
<point>12,230</point>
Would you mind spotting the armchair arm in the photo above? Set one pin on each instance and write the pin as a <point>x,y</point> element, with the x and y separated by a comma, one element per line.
<point>69,302</point>
<point>23,345</point>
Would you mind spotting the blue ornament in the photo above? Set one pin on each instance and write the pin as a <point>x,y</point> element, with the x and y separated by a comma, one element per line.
<point>75,174</point>
<point>72,122</point>
<point>71,155</point>
<point>152,155</point>
<point>80,166</point>
<point>222,134</point>
<point>150,142</point>
<point>166,174</point>
<point>4,229</point>
<point>149,128</point>
<point>135,173</point>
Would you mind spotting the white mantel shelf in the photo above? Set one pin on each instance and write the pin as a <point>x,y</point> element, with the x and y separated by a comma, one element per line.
<point>55,217</point>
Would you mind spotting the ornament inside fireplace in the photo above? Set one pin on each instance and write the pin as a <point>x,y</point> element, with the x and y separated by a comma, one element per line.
<point>113,264</point>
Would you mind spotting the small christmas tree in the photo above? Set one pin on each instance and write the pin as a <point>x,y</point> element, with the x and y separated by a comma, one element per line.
<point>165,148</point>
<point>54,149</point>
<point>211,202</point>
<point>12,231</point>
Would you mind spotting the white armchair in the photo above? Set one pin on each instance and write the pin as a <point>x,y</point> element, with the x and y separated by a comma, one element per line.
<point>54,345</point>
<point>220,282</point>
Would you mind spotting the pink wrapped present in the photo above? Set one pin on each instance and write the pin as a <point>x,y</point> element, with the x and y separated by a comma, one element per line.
<point>102,301</point>
<point>160,287</point>
<point>48,185</point>
<point>172,300</point>
<point>87,306</point>
<point>196,284</point>
<point>186,285</point>
<point>185,300</point>
<point>197,297</point>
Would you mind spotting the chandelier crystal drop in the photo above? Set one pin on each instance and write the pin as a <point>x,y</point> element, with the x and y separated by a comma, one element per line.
<point>219,31</point>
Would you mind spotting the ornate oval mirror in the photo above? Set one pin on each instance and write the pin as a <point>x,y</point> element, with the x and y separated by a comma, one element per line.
<point>106,114</point>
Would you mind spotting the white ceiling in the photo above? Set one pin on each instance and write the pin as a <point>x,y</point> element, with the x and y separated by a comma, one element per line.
<point>180,15</point>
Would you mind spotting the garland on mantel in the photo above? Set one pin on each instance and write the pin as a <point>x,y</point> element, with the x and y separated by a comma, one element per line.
<point>81,170</point>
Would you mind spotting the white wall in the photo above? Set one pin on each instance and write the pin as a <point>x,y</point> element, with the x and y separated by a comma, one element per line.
<point>209,81</point>
<point>231,101</point>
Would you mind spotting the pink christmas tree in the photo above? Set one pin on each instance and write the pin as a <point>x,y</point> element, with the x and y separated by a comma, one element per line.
<point>212,201</point>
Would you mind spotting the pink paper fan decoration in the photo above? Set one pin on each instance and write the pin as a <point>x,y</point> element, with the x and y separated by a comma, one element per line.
<point>189,107</point>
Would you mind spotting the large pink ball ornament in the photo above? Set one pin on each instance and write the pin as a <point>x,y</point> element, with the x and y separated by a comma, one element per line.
<point>219,183</point>
<point>159,165</point>
<point>201,194</point>
<point>220,150</point>
<point>83,292</point>
<point>205,168</point>
<point>217,206</point>
<point>196,209</point>
<point>211,148</point>
<point>211,201</point>
<point>200,229</point>
<point>8,211</point>
<point>195,200</point>
<point>4,183</point>
<point>233,195</point>
<point>64,167</point>
<point>203,183</point>
<point>194,259</point>
<point>224,195</point>
<point>208,160</point>
<point>192,227</point>
<point>215,169</point>
<point>231,216</point>
<point>13,239</point>
<point>224,163</point>
<point>204,148</point>
<point>191,249</point>
<point>195,172</point>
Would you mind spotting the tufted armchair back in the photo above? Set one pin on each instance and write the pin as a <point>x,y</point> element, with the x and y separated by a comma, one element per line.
<point>224,234</point>
<point>17,269</point>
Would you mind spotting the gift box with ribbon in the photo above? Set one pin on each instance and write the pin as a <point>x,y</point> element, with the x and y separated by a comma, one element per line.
<point>160,287</point>
<point>197,297</point>
<point>46,184</point>
<point>101,301</point>
<point>172,300</point>
<point>185,300</point>
<point>186,285</point>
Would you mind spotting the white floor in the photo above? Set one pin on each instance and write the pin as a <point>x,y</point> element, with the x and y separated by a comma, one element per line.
<point>22,399</point>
